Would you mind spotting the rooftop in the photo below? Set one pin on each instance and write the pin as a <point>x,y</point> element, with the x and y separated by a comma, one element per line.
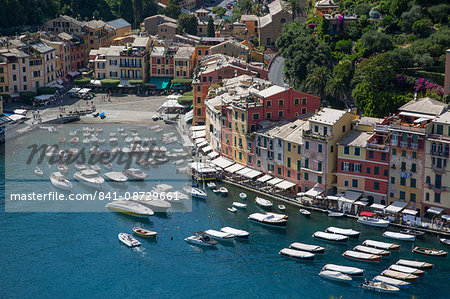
<point>356,138</point>
<point>141,42</point>
<point>444,118</point>
<point>184,53</point>
<point>95,24</point>
<point>368,121</point>
<point>157,51</point>
<point>12,52</point>
<point>424,106</point>
<point>328,116</point>
<point>115,50</point>
<point>75,21</point>
<point>273,90</point>
<point>41,47</point>
<point>325,4</point>
<point>296,136</point>
<point>249,18</point>
<point>169,24</point>
<point>118,23</point>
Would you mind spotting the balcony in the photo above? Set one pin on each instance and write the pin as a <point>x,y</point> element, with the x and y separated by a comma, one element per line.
<point>378,147</point>
<point>414,145</point>
<point>404,143</point>
<point>394,142</point>
<point>436,167</point>
<point>438,188</point>
<point>439,154</point>
<point>404,127</point>
<point>313,135</point>
<point>381,128</point>
<point>132,65</point>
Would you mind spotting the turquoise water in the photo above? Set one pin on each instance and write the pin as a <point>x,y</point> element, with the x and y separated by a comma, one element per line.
<point>78,255</point>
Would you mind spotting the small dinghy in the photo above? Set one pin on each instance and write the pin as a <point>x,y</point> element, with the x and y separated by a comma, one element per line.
<point>429,251</point>
<point>239,205</point>
<point>223,191</point>
<point>417,233</point>
<point>372,250</point>
<point>216,191</point>
<point>408,270</point>
<point>59,181</point>
<point>242,196</point>
<point>240,234</point>
<point>115,176</point>
<point>335,276</point>
<point>232,209</point>
<point>128,240</point>
<point>95,167</point>
<point>296,254</point>
<point>141,232</point>
<point>330,237</point>
<point>399,275</point>
<point>307,247</point>
<point>392,281</point>
<point>351,271</point>
<point>335,214</point>
<point>445,241</point>
<point>263,202</point>
<point>195,192</point>
<point>381,245</point>
<point>269,220</point>
<point>415,264</point>
<point>305,212</point>
<point>201,239</point>
<point>211,185</point>
<point>361,256</point>
<point>38,171</point>
<point>220,236</point>
<point>281,207</point>
<point>63,168</point>
<point>380,287</point>
<point>342,231</point>
<point>74,140</point>
<point>399,236</point>
<point>80,166</point>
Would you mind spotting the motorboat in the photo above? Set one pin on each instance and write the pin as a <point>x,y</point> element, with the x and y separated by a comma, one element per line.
<point>195,192</point>
<point>73,133</point>
<point>417,233</point>
<point>381,245</point>
<point>112,134</point>
<point>211,185</point>
<point>277,215</point>
<point>63,168</point>
<point>239,233</point>
<point>142,232</point>
<point>59,181</point>
<point>361,256</point>
<point>89,177</point>
<point>335,214</point>
<point>342,231</point>
<point>232,209</point>
<point>281,207</point>
<point>220,236</point>
<point>74,140</point>
<point>305,212</point>
<point>269,220</point>
<point>296,254</point>
<point>307,247</point>
<point>128,240</point>
<point>239,205</point>
<point>415,264</point>
<point>335,276</point>
<point>130,208</point>
<point>201,239</point>
<point>135,174</point>
<point>216,191</point>
<point>80,166</point>
<point>95,167</point>
<point>429,251</point>
<point>152,202</point>
<point>94,140</point>
<point>445,241</point>
<point>164,187</point>
<point>372,250</point>
<point>223,191</point>
<point>351,271</point>
<point>391,281</point>
<point>129,139</point>
<point>107,165</point>
<point>113,140</point>
<point>51,151</point>
<point>408,270</point>
<point>86,140</point>
<point>115,176</point>
<point>330,237</point>
<point>38,171</point>
<point>242,196</point>
<point>263,202</point>
<point>373,221</point>
<point>380,287</point>
<point>399,236</point>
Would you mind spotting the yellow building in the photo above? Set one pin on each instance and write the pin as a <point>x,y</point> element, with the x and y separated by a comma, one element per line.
<point>98,34</point>
<point>134,60</point>
<point>238,131</point>
<point>4,84</point>
<point>183,62</point>
<point>293,151</point>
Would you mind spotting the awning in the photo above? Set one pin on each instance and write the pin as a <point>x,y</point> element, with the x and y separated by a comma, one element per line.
<point>199,140</point>
<point>377,206</point>
<point>264,178</point>
<point>410,212</point>
<point>207,149</point>
<point>73,74</point>
<point>173,97</point>
<point>446,217</point>
<point>20,111</point>
<point>96,83</point>
<point>198,128</point>
<point>243,171</point>
<point>369,214</point>
<point>170,104</point>
<point>350,197</point>
<point>222,162</point>
<point>435,210</point>
<point>198,134</point>
<point>84,90</point>
<point>160,82</point>
<point>202,144</point>
<point>16,117</point>
<point>189,116</point>
<point>396,206</point>
<point>313,192</point>
<point>332,197</point>
<point>74,90</point>
<point>60,81</point>
<point>284,185</point>
<point>213,155</point>
<point>360,203</point>
<point>44,97</point>
<point>234,168</point>
<point>417,115</point>
<point>252,174</point>
<point>274,181</point>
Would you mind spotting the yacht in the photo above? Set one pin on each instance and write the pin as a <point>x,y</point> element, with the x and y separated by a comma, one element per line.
<point>59,181</point>
<point>342,231</point>
<point>373,221</point>
<point>152,202</point>
<point>269,220</point>
<point>195,192</point>
<point>89,177</point>
<point>335,275</point>
<point>201,239</point>
<point>239,205</point>
<point>223,191</point>
<point>130,208</point>
<point>116,176</point>
<point>135,174</point>
<point>211,185</point>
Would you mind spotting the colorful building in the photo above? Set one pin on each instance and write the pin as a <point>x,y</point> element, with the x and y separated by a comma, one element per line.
<point>4,83</point>
<point>134,60</point>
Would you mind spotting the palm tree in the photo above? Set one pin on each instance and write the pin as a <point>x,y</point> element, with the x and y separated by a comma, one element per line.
<point>295,7</point>
<point>337,89</point>
<point>317,80</point>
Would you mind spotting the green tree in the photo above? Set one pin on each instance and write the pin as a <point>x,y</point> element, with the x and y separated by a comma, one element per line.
<point>362,9</point>
<point>440,13</point>
<point>408,18</point>
<point>398,7</point>
<point>246,6</point>
<point>344,45</point>
<point>378,71</point>
<point>126,10</point>
<point>109,83</point>
<point>421,27</point>
<point>317,80</point>
<point>138,6</point>
<point>83,81</point>
<point>172,10</point>
<point>376,42</point>
<point>211,31</point>
<point>338,87</point>
<point>219,10</point>
<point>295,7</point>
<point>187,23</point>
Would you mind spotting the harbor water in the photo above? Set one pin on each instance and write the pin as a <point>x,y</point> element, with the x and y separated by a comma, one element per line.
<point>78,254</point>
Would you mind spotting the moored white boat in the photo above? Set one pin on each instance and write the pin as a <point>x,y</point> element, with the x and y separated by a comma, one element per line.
<point>135,174</point>
<point>195,192</point>
<point>305,212</point>
<point>152,202</point>
<point>239,205</point>
<point>342,231</point>
<point>415,264</point>
<point>392,281</point>
<point>269,220</point>
<point>405,269</point>
<point>361,256</point>
<point>307,247</point>
<point>59,181</point>
<point>373,221</point>
<point>239,233</point>
<point>399,275</point>
<point>115,176</point>
<point>89,177</point>
<point>335,275</point>
<point>445,241</point>
<point>38,171</point>
<point>372,250</point>
<point>201,239</point>
<point>281,207</point>
<point>232,209</point>
<point>351,271</point>
<point>330,237</point>
<point>142,232</point>
<point>242,196</point>
<point>380,287</point>
<point>296,254</point>
<point>220,236</point>
<point>211,185</point>
<point>130,208</point>
<point>335,214</point>
<point>128,240</point>
<point>223,191</point>
<point>399,236</point>
<point>263,202</point>
<point>381,245</point>
<point>430,251</point>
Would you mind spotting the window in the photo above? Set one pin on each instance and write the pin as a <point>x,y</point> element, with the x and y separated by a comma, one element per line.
<point>289,162</point>
<point>402,195</point>
<point>303,101</point>
<point>255,116</point>
<point>427,196</point>
<point>403,181</point>
<point>392,180</point>
<point>394,151</point>
<point>391,194</point>
<point>325,131</point>
<point>268,115</point>
<point>306,163</point>
<point>376,170</point>
<point>316,129</point>
<point>289,146</point>
<point>403,166</point>
<point>346,150</point>
<point>357,151</point>
<point>319,165</point>
<point>403,153</point>
<point>280,103</point>
<point>199,100</point>
<point>298,176</point>
<point>345,166</point>
<point>413,167</point>
<point>299,165</point>
<point>414,155</point>
<point>368,170</point>
<point>296,102</point>
<point>279,171</point>
<point>440,129</point>
<point>240,155</point>
<point>357,167</point>
<point>299,150</point>
<point>370,154</point>
<point>289,173</point>
<point>269,104</point>
<point>307,145</point>
<point>385,172</point>
<point>428,179</point>
<point>383,156</point>
<point>199,111</point>
<point>413,183</point>
<point>343,129</point>
<point>412,197</point>
<point>303,110</point>
<point>319,148</point>
<point>376,185</point>
<point>437,197</point>
<point>306,176</point>
<point>319,179</point>
<point>346,183</point>
<point>280,114</point>
<point>279,157</point>
<point>331,148</point>
<point>354,183</point>
<point>250,159</point>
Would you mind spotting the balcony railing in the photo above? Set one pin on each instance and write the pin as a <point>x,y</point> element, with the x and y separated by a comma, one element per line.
<point>404,143</point>
<point>313,135</point>
<point>440,154</point>
<point>438,168</point>
<point>378,147</point>
<point>437,187</point>
<point>407,128</point>
<point>414,145</point>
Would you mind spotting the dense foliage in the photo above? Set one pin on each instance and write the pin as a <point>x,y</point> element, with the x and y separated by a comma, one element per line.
<point>394,48</point>
<point>187,23</point>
